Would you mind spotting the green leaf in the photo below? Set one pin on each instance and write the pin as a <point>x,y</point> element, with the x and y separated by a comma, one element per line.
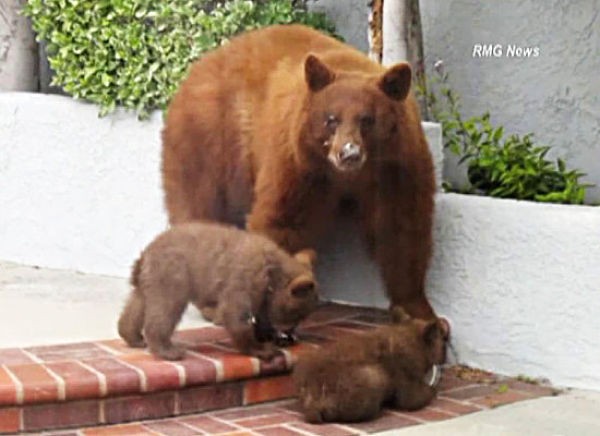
<point>503,388</point>
<point>135,53</point>
<point>498,134</point>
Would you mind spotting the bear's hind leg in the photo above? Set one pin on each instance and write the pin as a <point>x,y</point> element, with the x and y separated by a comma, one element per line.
<point>210,313</point>
<point>161,319</point>
<point>413,395</point>
<point>131,320</point>
<point>196,152</point>
<point>191,187</point>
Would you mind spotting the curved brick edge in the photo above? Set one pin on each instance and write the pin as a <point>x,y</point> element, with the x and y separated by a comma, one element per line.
<point>462,391</point>
<point>106,382</point>
<point>102,383</point>
<point>154,405</point>
<point>103,369</point>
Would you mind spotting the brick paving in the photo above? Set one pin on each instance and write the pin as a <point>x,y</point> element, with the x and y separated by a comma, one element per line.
<point>105,382</point>
<point>457,397</point>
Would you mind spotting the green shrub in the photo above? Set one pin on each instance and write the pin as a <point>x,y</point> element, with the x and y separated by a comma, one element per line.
<point>499,166</point>
<point>134,53</point>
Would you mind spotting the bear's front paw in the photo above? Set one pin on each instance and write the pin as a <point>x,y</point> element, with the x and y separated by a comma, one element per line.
<point>137,343</point>
<point>172,353</point>
<point>267,352</point>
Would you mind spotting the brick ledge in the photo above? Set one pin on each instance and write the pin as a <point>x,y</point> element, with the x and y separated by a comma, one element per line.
<point>105,382</point>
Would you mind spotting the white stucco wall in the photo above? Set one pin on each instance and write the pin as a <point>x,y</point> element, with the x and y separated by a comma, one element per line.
<point>76,191</point>
<point>521,283</point>
<point>555,95</point>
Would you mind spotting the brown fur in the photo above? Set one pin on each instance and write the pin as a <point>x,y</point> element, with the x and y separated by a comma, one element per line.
<point>229,274</point>
<point>351,380</point>
<point>247,132</point>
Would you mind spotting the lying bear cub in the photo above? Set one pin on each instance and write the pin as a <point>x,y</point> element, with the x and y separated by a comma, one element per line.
<point>354,378</point>
<point>243,281</point>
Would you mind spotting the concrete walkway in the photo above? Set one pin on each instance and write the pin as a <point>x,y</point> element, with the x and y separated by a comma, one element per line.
<point>575,413</point>
<point>44,306</point>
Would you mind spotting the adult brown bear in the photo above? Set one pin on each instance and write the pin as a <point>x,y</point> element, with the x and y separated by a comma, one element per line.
<point>277,128</point>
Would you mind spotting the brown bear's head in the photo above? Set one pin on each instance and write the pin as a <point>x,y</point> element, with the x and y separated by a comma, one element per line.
<point>430,335</point>
<point>296,294</point>
<point>350,114</point>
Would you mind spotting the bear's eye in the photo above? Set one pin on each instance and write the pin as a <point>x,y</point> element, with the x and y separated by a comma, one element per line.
<point>367,121</point>
<point>331,122</point>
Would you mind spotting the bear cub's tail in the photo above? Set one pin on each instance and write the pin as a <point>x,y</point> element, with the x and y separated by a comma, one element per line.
<point>131,321</point>
<point>135,273</point>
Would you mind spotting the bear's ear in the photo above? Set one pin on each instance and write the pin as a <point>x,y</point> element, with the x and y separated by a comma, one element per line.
<point>306,257</point>
<point>303,287</point>
<point>395,82</point>
<point>431,332</point>
<point>318,75</point>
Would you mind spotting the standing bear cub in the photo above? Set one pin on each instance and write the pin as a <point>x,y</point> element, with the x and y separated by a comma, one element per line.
<point>352,379</point>
<point>281,128</point>
<point>243,281</point>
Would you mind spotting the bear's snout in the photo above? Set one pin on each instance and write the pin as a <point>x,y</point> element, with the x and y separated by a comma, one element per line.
<point>348,157</point>
<point>350,153</point>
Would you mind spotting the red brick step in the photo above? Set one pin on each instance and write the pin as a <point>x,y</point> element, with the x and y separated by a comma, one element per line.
<point>105,382</point>
<point>477,391</point>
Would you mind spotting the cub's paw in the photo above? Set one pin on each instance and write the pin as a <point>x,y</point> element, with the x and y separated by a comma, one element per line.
<point>172,353</point>
<point>136,343</point>
<point>267,352</point>
<point>208,313</point>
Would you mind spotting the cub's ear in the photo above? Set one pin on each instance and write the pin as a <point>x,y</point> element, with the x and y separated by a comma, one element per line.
<point>318,75</point>
<point>395,82</point>
<point>303,287</point>
<point>306,257</point>
<point>431,332</point>
<point>399,315</point>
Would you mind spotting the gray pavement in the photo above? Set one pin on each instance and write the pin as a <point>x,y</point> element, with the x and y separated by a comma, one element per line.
<point>575,413</point>
<point>44,306</point>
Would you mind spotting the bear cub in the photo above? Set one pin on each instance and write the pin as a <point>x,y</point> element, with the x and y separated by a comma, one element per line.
<point>243,281</point>
<point>355,377</point>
